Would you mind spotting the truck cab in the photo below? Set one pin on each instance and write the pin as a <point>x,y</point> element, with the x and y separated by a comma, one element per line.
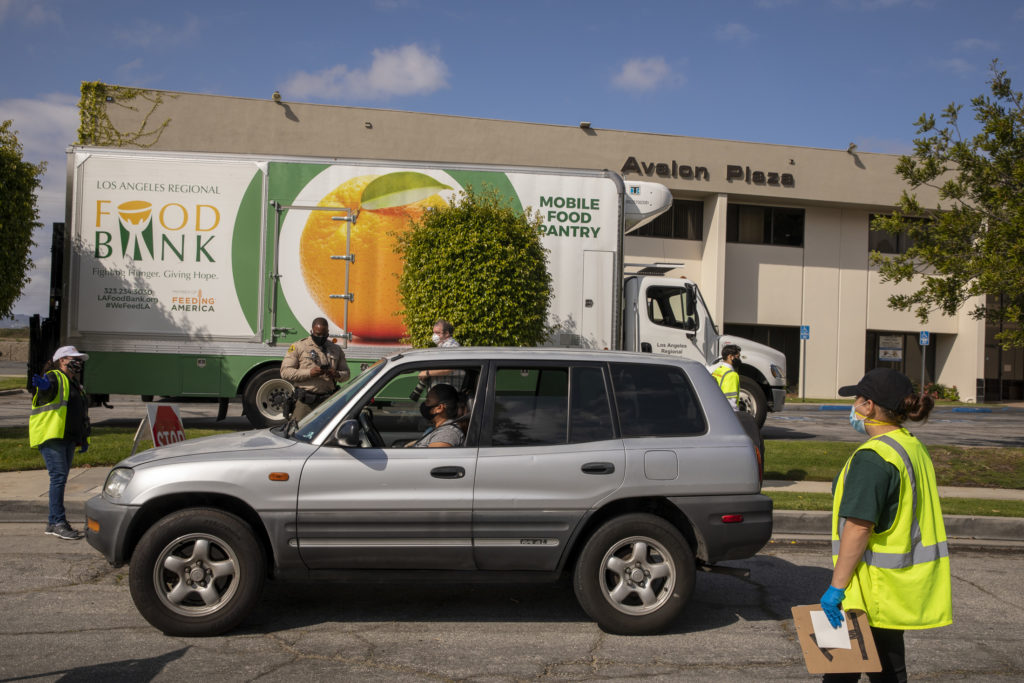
<point>668,316</point>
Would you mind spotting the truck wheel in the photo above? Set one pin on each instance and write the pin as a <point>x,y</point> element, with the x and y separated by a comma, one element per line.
<point>265,396</point>
<point>635,575</point>
<point>197,572</point>
<point>751,394</point>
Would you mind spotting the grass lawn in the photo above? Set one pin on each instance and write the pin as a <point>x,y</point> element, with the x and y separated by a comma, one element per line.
<point>12,382</point>
<point>954,465</point>
<point>107,446</point>
<point>977,507</point>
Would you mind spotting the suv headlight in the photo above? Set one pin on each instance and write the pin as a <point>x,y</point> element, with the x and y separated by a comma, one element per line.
<point>117,481</point>
<point>777,372</point>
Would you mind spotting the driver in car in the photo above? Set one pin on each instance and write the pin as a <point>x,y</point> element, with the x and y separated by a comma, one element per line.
<point>441,409</point>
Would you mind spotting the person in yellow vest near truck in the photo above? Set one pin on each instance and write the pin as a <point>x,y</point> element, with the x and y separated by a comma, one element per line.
<point>58,423</point>
<point>725,373</point>
<point>888,539</point>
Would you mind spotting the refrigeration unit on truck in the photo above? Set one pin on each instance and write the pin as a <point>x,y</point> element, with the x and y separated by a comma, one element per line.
<point>190,274</point>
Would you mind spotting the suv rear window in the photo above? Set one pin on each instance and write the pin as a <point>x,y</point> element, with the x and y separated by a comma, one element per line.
<point>655,400</point>
<point>532,406</point>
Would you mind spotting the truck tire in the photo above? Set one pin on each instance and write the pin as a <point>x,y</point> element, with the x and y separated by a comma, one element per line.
<point>197,572</point>
<point>634,575</point>
<point>265,396</point>
<point>753,396</point>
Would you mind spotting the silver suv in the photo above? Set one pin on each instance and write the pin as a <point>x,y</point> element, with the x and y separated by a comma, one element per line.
<point>628,471</point>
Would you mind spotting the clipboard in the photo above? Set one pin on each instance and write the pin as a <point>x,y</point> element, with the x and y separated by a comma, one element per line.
<point>861,657</point>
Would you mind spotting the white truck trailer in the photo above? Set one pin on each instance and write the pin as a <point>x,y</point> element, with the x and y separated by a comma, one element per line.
<point>189,274</point>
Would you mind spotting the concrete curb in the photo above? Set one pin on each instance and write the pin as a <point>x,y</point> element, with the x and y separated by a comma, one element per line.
<point>965,527</point>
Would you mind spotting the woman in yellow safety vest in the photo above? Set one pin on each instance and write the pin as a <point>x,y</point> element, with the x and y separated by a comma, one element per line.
<point>58,423</point>
<point>888,540</point>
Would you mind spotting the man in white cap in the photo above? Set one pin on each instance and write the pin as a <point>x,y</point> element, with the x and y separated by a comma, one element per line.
<point>58,423</point>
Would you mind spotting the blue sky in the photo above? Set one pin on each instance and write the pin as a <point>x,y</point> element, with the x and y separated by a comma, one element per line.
<point>815,73</point>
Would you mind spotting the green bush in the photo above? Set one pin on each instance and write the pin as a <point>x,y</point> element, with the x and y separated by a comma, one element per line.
<point>942,392</point>
<point>479,264</point>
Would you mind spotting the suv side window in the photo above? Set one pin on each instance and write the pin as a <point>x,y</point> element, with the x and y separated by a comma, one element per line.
<point>655,400</point>
<point>551,405</point>
<point>590,416</point>
<point>531,406</point>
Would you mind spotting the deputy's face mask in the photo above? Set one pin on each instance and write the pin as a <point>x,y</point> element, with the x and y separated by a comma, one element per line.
<point>436,338</point>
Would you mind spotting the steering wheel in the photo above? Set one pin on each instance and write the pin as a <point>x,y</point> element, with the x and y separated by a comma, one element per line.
<point>372,435</point>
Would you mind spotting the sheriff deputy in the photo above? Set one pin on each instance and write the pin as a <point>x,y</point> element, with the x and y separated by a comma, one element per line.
<point>314,366</point>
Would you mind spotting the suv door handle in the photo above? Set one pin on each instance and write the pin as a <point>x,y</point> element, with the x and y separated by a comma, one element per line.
<point>448,472</point>
<point>598,468</point>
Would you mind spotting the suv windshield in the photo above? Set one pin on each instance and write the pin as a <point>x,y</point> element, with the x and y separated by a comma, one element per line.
<point>313,423</point>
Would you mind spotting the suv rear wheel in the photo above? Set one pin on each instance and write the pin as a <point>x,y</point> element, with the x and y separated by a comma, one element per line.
<point>634,575</point>
<point>197,572</point>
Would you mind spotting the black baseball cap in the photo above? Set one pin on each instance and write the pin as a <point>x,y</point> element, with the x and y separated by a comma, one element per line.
<point>884,386</point>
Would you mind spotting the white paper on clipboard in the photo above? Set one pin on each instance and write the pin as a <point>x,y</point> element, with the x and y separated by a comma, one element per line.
<point>828,637</point>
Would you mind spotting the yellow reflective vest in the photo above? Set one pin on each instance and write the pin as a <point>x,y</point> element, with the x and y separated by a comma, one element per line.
<point>728,381</point>
<point>47,421</point>
<point>903,579</point>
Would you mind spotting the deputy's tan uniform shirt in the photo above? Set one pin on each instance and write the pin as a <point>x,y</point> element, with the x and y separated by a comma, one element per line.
<point>303,356</point>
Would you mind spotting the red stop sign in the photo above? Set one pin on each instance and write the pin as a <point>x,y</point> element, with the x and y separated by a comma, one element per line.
<point>167,428</point>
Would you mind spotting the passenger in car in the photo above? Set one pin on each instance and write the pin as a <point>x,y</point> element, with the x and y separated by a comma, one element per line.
<point>441,409</point>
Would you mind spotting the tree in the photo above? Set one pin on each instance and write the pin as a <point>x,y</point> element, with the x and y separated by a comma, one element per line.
<point>972,244</point>
<point>18,216</point>
<point>479,264</point>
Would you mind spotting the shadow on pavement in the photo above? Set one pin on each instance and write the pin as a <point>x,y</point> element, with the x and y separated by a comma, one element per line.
<point>718,600</point>
<point>123,671</point>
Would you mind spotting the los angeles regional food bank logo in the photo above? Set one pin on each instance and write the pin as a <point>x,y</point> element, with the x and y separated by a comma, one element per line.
<point>171,232</point>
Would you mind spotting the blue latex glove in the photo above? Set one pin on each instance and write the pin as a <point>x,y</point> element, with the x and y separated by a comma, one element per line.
<point>83,447</point>
<point>832,602</point>
<point>41,382</point>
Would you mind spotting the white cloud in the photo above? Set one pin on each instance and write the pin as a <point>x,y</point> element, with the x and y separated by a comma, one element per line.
<point>735,33</point>
<point>45,127</point>
<point>957,66</point>
<point>28,11</point>
<point>640,75</point>
<point>976,44</point>
<point>408,70</point>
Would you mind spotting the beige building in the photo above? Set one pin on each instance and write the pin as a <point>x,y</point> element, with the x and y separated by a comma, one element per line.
<point>777,237</point>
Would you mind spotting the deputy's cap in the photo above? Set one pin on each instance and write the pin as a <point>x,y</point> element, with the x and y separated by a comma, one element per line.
<point>65,351</point>
<point>884,386</point>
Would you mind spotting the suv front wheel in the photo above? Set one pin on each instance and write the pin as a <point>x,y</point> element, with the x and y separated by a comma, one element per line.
<point>634,575</point>
<point>197,572</point>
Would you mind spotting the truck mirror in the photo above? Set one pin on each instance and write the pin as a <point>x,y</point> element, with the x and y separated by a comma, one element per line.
<point>347,433</point>
<point>690,309</point>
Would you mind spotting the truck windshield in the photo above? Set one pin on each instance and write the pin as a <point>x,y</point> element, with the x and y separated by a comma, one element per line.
<point>313,423</point>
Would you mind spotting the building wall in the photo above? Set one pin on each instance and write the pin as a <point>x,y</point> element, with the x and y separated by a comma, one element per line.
<point>828,284</point>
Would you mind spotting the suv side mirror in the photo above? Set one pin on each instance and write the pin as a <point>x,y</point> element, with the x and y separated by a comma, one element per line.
<point>347,433</point>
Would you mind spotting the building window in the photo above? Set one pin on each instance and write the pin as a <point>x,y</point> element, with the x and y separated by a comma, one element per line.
<point>888,243</point>
<point>684,221</point>
<point>764,225</point>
